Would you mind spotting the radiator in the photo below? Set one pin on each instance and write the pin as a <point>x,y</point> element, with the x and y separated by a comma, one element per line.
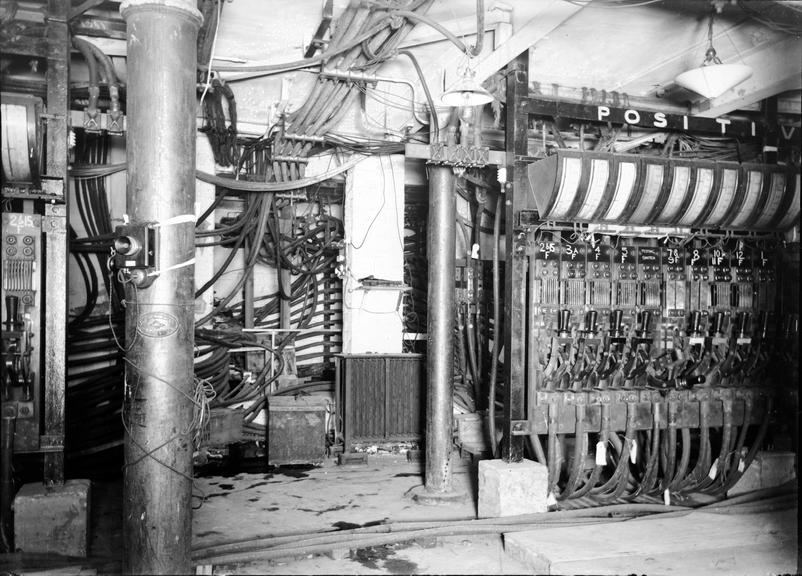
<point>380,398</point>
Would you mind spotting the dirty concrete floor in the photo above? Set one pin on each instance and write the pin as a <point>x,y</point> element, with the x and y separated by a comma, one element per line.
<point>270,503</point>
<point>328,497</point>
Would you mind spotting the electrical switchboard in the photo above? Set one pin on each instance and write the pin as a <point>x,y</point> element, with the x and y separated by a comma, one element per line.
<point>21,326</point>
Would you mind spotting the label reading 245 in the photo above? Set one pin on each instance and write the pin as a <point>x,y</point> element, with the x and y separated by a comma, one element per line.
<point>547,250</point>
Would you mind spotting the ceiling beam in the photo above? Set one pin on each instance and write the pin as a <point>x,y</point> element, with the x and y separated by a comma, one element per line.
<point>551,14</point>
<point>442,70</point>
<point>463,27</point>
<point>775,69</point>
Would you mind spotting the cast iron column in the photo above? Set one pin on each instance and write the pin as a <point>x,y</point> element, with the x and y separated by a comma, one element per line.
<point>441,234</point>
<point>161,108</point>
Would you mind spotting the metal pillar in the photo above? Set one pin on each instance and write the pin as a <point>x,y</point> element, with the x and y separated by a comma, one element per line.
<point>54,226</point>
<point>157,516</point>
<point>7,482</point>
<point>286,217</point>
<point>440,349</point>
<point>516,267</point>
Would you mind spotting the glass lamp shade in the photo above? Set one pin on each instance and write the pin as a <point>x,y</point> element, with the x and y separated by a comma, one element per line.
<point>466,92</point>
<point>713,80</point>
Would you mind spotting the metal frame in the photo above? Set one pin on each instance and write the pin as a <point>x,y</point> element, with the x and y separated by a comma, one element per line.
<point>519,213</point>
<point>515,271</point>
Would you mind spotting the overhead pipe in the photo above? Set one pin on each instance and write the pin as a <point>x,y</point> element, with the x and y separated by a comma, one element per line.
<point>159,408</point>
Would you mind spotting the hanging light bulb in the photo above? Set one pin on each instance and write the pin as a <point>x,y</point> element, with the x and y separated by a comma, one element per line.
<point>466,91</point>
<point>713,78</point>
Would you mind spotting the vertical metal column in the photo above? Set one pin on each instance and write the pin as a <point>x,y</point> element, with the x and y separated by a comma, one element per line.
<point>515,269</point>
<point>157,516</point>
<point>7,481</point>
<point>286,217</point>
<point>54,227</point>
<point>440,350</point>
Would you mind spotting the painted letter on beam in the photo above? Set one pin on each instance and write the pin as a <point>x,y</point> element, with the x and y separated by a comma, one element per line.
<point>631,116</point>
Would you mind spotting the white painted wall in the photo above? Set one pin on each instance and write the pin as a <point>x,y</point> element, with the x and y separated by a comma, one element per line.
<point>374,228</point>
<point>204,196</point>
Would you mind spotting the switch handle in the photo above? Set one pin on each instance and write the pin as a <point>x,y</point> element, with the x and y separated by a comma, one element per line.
<point>645,321</point>
<point>696,320</point>
<point>563,320</point>
<point>743,323</point>
<point>690,381</point>
<point>615,321</point>
<point>717,322</point>
<point>590,320</point>
<point>764,324</point>
<point>12,312</point>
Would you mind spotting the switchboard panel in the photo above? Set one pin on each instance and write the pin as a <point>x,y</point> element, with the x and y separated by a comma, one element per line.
<point>21,326</point>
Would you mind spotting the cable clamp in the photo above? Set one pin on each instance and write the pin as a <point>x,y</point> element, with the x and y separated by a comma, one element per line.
<point>180,219</point>
<point>189,262</point>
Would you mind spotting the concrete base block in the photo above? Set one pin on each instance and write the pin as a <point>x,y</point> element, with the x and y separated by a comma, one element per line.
<point>53,520</point>
<point>509,489</point>
<point>767,470</point>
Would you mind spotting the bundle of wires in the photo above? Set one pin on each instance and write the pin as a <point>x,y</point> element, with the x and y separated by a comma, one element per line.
<point>95,368</point>
<point>91,199</point>
<point>95,380</point>
<point>362,40</point>
<point>415,267</point>
<point>714,148</point>
<point>223,139</point>
<point>308,248</point>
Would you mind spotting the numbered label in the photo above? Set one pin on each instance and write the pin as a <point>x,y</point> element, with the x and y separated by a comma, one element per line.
<point>573,253</point>
<point>21,221</point>
<point>625,255</point>
<point>763,259</point>
<point>600,253</point>
<point>547,251</point>
<point>741,258</point>
<point>696,257</point>
<point>719,258</point>
<point>673,257</point>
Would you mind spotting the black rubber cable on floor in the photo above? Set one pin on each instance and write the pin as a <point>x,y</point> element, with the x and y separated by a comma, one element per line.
<point>299,544</point>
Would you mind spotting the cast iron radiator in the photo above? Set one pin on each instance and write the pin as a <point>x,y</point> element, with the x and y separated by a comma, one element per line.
<point>380,398</point>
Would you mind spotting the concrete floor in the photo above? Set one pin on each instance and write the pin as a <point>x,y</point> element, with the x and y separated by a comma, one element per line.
<point>344,497</point>
<point>334,497</point>
<point>297,502</point>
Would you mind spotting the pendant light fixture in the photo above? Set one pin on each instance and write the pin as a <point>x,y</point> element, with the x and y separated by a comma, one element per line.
<point>466,91</point>
<point>713,78</point>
